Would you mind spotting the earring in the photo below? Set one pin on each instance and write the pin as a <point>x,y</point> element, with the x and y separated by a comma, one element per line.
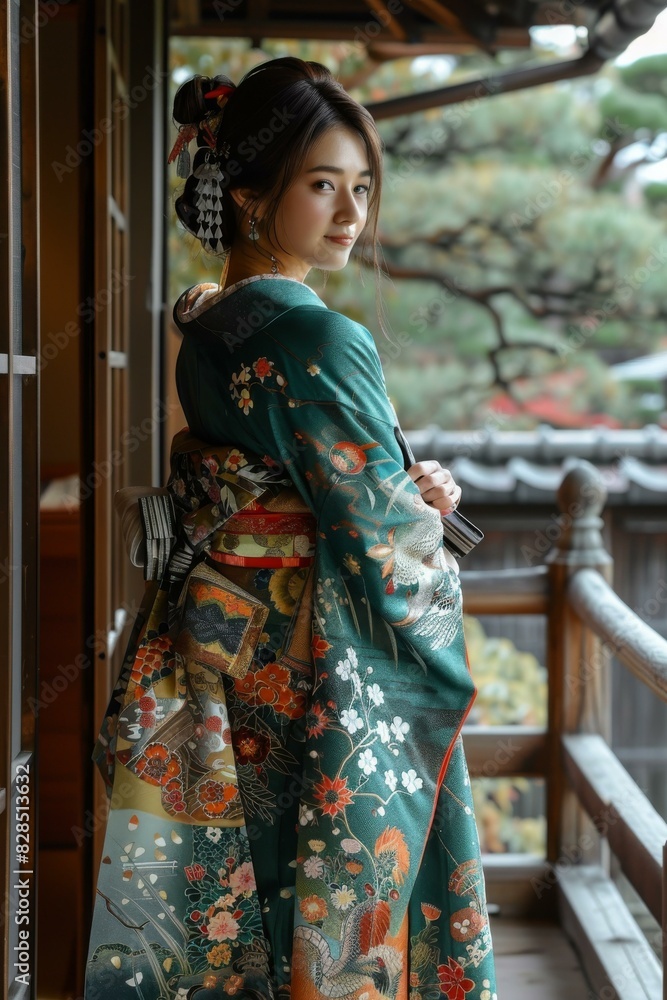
<point>274,265</point>
<point>253,234</point>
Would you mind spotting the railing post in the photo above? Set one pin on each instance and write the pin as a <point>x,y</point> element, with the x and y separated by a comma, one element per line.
<point>577,663</point>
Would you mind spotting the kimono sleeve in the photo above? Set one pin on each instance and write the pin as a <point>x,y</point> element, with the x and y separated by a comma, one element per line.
<point>381,541</point>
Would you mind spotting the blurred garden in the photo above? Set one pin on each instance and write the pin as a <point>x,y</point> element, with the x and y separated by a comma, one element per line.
<point>522,236</point>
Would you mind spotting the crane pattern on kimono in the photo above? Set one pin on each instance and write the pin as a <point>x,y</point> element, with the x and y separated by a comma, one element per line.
<point>363,955</point>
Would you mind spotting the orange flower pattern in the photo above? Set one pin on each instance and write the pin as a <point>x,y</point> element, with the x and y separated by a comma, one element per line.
<point>334,796</point>
<point>313,908</point>
<point>157,764</point>
<point>453,981</point>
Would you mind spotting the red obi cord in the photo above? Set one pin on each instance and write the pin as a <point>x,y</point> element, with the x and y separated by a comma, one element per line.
<point>261,562</point>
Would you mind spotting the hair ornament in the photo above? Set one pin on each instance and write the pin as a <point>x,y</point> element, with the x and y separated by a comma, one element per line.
<point>208,200</point>
<point>221,93</point>
<point>208,128</point>
<point>186,134</point>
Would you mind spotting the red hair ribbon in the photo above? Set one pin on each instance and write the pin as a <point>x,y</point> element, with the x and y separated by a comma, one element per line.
<point>223,89</point>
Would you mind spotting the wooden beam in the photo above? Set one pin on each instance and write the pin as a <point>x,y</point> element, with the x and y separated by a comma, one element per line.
<point>505,751</point>
<point>259,10</point>
<point>478,89</point>
<point>188,14</point>
<point>505,591</point>
<point>386,51</point>
<point>510,884</point>
<point>446,19</point>
<point>638,646</point>
<point>340,31</point>
<point>385,17</point>
<point>615,955</point>
<point>635,831</point>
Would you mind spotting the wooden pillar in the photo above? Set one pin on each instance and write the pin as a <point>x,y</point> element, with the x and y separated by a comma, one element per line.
<point>577,661</point>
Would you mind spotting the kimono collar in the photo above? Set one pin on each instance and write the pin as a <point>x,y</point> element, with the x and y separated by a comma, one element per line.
<point>266,295</point>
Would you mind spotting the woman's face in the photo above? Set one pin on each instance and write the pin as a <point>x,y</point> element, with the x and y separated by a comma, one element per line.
<point>328,198</point>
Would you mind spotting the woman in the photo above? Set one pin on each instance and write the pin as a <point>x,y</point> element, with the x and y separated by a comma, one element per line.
<point>291,811</point>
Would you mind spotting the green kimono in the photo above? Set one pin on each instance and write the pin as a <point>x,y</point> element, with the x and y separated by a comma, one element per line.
<point>283,746</point>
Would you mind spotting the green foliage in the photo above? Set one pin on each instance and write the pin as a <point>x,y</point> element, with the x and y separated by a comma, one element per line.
<point>516,219</point>
<point>647,75</point>
<point>635,111</point>
<point>656,193</point>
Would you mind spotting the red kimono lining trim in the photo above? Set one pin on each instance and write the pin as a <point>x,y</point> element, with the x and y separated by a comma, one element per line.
<point>261,562</point>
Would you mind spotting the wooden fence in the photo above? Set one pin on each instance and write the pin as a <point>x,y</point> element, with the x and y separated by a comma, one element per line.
<point>594,808</point>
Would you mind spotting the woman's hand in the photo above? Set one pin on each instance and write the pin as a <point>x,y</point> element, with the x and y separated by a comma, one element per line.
<point>438,490</point>
<point>436,485</point>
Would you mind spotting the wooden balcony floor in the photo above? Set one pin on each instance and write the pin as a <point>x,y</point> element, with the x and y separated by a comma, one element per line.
<point>535,959</point>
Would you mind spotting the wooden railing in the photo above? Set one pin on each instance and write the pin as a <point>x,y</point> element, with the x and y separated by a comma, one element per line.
<point>594,807</point>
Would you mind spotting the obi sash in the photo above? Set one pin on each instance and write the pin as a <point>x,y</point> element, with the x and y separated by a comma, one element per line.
<point>221,507</point>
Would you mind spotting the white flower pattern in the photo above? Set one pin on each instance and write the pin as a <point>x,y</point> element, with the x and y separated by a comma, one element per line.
<point>313,867</point>
<point>399,728</point>
<point>350,719</point>
<point>374,692</point>
<point>382,729</point>
<point>367,762</point>
<point>343,898</point>
<point>306,815</point>
<point>410,781</point>
<point>344,669</point>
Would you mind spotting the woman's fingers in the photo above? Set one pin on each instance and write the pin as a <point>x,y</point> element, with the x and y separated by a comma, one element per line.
<point>436,485</point>
<point>420,469</point>
<point>448,502</point>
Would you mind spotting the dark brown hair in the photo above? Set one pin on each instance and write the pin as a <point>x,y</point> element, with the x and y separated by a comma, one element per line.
<point>307,100</point>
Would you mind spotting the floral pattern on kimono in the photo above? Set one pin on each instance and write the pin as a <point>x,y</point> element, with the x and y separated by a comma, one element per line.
<point>366,877</point>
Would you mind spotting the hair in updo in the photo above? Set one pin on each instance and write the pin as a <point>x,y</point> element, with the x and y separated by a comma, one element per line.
<point>270,121</point>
